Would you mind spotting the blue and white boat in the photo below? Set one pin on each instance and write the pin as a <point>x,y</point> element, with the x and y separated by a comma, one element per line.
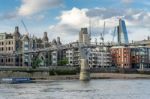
<point>16,80</point>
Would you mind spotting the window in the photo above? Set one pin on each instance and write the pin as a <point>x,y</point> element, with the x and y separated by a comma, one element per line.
<point>2,60</point>
<point>9,60</point>
<point>26,43</point>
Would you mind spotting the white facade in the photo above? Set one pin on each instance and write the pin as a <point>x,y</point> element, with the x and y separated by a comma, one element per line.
<point>54,55</point>
<point>73,57</point>
<point>69,56</point>
<point>99,57</point>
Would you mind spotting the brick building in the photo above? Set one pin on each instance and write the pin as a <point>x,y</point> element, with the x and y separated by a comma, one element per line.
<point>121,56</point>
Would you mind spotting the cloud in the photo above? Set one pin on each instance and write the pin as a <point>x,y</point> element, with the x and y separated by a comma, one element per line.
<point>30,7</point>
<point>10,15</point>
<point>70,22</point>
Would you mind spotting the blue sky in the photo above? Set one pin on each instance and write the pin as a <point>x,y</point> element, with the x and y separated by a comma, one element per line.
<point>64,18</point>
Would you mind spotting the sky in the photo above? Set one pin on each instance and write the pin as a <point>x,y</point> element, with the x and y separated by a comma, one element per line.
<point>64,18</point>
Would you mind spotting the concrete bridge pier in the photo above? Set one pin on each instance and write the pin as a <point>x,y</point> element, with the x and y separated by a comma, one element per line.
<point>84,72</point>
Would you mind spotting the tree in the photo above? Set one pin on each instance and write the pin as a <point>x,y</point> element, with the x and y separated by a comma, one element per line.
<point>63,62</point>
<point>36,63</point>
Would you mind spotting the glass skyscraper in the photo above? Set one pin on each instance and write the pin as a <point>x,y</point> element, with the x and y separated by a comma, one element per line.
<point>122,32</point>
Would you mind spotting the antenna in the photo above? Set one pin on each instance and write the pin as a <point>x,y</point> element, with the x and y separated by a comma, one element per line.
<point>24,26</point>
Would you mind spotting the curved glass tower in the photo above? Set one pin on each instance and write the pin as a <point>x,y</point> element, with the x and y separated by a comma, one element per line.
<point>122,32</point>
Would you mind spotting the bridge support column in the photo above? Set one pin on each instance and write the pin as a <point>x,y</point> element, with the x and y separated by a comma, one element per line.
<point>84,72</point>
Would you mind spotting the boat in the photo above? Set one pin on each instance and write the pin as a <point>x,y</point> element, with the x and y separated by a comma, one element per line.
<point>16,80</point>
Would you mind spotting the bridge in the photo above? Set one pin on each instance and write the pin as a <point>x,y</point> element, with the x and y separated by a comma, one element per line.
<point>74,45</point>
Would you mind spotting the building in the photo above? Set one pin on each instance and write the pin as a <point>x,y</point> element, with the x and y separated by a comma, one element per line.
<point>84,36</point>
<point>13,46</point>
<point>121,56</point>
<point>145,42</point>
<point>73,57</point>
<point>100,57</point>
<point>122,32</point>
<point>56,55</point>
<point>73,54</point>
<point>9,43</point>
<point>140,57</point>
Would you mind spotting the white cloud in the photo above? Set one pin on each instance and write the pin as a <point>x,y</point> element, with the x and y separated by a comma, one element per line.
<point>70,22</point>
<point>138,33</point>
<point>29,7</point>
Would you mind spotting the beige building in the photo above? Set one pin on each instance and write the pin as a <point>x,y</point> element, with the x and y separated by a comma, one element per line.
<point>12,47</point>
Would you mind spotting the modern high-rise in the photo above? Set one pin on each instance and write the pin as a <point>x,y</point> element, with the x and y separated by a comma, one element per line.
<point>122,32</point>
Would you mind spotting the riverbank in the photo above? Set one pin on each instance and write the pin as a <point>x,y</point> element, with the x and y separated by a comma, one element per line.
<point>96,76</point>
<point>119,76</point>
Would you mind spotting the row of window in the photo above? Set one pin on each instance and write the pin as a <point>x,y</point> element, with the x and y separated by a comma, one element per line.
<point>123,64</point>
<point>7,48</point>
<point>7,43</point>
<point>7,60</point>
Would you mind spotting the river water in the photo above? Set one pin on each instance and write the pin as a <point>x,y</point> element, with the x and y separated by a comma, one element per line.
<point>74,89</point>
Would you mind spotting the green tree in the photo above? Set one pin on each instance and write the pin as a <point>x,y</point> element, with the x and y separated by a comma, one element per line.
<point>63,62</point>
<point>36,63</point>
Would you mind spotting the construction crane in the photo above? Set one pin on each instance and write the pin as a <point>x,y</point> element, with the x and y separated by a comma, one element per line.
<point>90,28</point>
<point>114,33</point>
<point>25,27</point>
<point>103,29</point>
<point>102,34</point>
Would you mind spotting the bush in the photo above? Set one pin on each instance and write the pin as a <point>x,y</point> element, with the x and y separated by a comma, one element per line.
<point>36,63</point>
<point>62,72</point>
<point>63,62</point>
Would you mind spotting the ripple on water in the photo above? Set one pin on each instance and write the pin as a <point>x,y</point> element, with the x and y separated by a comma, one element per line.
<point>95,89</point>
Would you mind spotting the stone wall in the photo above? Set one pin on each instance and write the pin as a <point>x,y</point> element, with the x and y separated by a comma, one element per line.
<point>36,73</point>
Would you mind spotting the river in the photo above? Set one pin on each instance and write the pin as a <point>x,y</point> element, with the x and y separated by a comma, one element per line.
<point>74,89</point>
